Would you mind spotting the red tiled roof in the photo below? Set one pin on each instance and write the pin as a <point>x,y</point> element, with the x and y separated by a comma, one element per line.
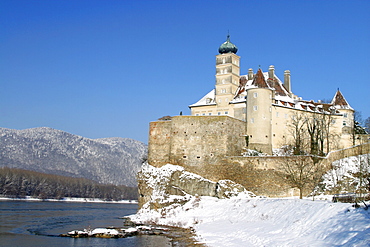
<point>259,80</point>
<point>274,83</point>
<point>339,99</point>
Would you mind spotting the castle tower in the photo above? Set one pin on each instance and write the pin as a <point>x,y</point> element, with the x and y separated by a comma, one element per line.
<point>259,114</point>
<point>227,73</point>
<point>346,122</point>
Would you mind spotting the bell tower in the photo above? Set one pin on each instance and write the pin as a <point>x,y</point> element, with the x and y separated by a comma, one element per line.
<point>227,73</point>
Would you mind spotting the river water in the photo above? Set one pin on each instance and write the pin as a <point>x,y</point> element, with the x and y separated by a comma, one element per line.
<point>27,223</point>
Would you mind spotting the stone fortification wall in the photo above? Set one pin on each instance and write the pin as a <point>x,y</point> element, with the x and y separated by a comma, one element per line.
<point>344,153</point>
<point>264,175</point>
<point>195,140</point>
<point>260,175</point>
<point>210,146</point>
<point>159,142</point>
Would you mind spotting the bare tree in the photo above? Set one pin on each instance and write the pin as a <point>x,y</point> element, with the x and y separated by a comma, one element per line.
<point>302,172</point>
<point>297,131</point>
<point>314,129</point>
<point>327,123</point>
<point>367,125</point>
<point>357,129</point>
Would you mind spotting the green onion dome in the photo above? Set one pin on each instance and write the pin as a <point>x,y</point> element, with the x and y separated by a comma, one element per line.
<point>227,47</point>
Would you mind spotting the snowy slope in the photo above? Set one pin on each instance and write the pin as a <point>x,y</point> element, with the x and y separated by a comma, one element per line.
<point>246,220</point>
<point>108,160</point>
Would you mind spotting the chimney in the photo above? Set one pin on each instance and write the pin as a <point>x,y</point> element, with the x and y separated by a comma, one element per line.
<point>250,74</point>
<point>287,80</point>
<point>271,72</point>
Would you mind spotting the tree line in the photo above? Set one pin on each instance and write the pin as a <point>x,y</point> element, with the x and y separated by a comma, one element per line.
<point>20,183</point>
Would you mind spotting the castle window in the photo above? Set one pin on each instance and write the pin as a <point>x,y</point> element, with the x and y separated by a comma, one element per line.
<point>203,114</point>
<point>184,156</point>
<point>226,112</point>
<point>223,90</point>
<point>277,114</point>
<point>210,114</point>
<point>255,95</point>
<point>198,157</point>
<point>197,114</point>
<point>226,100</point>
<point>345,115</point>
<point>344,123</point>
<point>255,107</point>
<point>252,120</point>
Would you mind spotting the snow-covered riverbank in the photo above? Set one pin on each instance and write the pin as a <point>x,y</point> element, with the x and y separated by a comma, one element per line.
<point>67,199</point>
<point>242,221</point>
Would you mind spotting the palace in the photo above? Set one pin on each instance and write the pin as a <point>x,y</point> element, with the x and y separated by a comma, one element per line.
<point>267,105</point>
<point>258,112</point>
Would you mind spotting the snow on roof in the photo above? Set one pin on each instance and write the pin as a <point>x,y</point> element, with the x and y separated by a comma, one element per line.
<point>340,102</point>
<point>245,84</point>
<point>281,95</point>
<point>208,99</point>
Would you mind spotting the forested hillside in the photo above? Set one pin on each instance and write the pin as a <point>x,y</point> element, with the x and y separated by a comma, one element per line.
<point>108,160</point>
<point>20,183</point>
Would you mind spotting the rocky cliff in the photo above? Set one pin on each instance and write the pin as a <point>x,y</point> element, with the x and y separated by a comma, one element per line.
<point>171,185</point>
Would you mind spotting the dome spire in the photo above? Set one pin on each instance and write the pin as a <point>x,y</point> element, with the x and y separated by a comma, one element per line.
<point>227,46</point>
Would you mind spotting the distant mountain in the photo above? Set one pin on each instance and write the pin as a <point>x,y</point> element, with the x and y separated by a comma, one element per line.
<point>107,160</point>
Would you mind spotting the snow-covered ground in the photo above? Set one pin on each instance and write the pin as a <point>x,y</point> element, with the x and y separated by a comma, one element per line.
<point>243,221</point>
<point>248,220</point>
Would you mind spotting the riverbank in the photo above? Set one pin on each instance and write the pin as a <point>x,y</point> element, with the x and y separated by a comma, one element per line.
<point>241,221</point>
<point>66,199</point>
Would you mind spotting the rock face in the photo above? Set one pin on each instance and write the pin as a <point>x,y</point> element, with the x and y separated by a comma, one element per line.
<point>108,160</point>
<point>171,184</point>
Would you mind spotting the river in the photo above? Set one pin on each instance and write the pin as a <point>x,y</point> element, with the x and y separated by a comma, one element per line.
<point>29,223</point>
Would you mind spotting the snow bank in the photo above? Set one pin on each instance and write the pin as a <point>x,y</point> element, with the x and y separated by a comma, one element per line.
<point>246,220</point>
<point>242,221</point>
<point>345,175</point>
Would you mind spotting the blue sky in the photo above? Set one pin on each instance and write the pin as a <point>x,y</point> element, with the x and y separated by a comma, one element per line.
<point>107,68</point>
